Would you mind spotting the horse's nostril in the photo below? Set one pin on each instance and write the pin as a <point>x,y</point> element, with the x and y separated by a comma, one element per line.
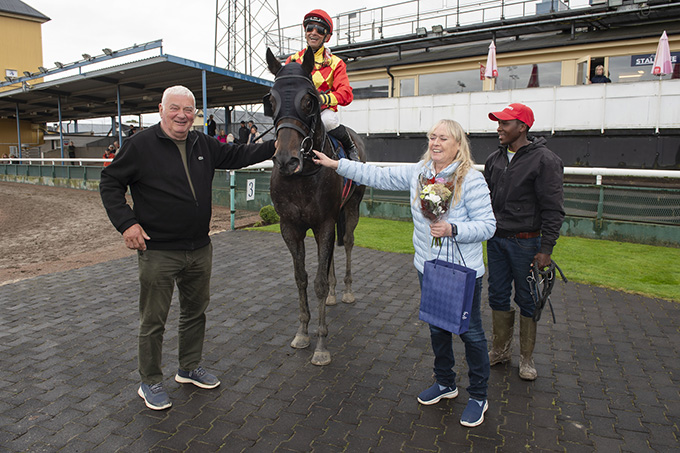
<point>293,164</point>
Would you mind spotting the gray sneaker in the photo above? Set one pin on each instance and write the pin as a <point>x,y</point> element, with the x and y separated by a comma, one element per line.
<point>154,396</point>
<point>199,377</point>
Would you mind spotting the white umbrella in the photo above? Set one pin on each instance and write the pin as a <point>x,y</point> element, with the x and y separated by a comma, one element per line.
<point>662,59</point>
<point>491,67</point>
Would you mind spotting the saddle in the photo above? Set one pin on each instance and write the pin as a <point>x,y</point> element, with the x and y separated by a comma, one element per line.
<point>347,184</point>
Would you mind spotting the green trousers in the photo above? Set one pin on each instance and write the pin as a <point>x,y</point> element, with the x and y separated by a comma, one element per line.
<point>159,271</point>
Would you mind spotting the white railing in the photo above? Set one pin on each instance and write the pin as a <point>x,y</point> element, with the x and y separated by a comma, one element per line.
<point>592,171</point>
<point>54,160</point>
<point>268,165</point>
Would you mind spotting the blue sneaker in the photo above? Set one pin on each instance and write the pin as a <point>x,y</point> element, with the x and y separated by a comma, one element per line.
<point>473,415</point>
<point>154,396</point>
<point>199,377</point>
<point>436,393</point>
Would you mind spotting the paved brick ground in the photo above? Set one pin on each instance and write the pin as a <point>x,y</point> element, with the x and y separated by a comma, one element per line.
<point>609,370</point>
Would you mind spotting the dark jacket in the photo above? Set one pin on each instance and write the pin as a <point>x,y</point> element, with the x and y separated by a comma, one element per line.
<point>527,193</point>
<point>164,205</point>
<point>243,133</point>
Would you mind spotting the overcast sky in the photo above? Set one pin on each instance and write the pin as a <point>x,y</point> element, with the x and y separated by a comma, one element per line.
<point>186,28</point>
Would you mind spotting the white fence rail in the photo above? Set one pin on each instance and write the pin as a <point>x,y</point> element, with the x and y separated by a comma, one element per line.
<point>268,164</point>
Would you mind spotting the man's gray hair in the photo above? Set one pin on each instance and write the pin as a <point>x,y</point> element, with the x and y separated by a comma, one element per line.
<point>177,89</point>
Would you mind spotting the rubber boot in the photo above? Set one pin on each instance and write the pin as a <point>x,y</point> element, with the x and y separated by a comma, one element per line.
<point>503,327</point>
<point>342,134</point>
<point>527,341</point>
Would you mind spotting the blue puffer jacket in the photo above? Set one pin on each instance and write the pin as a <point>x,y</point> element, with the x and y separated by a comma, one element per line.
<point>473,215</point>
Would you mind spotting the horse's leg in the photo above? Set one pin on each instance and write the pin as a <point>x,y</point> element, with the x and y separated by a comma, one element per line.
<point>332,282</point>
<point>325,240</point>
<point>351,221</point>
<point>295,241</point>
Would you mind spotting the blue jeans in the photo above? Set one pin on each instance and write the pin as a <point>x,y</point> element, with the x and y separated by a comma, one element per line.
<point>510,262</point>
<point>476,352</point>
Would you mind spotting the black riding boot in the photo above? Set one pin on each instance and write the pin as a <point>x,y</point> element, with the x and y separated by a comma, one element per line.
<point>341,134</point>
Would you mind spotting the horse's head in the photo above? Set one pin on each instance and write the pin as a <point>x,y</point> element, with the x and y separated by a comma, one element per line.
<point>293,103</point>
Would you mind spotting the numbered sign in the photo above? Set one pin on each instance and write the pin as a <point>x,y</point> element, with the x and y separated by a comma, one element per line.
<point>250,190</point>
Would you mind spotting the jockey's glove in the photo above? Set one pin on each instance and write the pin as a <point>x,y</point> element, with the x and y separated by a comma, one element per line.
<point>325,98</point>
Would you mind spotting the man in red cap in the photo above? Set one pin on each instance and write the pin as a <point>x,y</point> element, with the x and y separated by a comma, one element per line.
<point>525,180</point>
<point>329,76</point>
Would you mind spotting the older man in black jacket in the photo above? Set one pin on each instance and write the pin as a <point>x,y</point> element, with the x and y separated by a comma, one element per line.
<point>169,169</point>
<point>525,180</point>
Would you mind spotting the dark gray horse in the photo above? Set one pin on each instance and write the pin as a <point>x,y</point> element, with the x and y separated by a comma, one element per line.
<point>306,195</point>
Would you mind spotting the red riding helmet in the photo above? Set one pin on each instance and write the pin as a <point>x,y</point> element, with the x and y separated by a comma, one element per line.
<point>321,17</point>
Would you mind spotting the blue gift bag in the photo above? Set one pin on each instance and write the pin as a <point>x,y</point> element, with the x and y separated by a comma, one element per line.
<point>446,294</point>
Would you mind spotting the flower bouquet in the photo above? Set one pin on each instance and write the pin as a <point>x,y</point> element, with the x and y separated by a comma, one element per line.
<point>435,200</point>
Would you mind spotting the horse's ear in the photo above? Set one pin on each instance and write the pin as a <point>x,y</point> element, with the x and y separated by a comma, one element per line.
<point>308,61</point>
<point>273,64</point>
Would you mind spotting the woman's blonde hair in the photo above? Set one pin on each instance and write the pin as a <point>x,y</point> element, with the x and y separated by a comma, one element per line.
<point>464,156</point>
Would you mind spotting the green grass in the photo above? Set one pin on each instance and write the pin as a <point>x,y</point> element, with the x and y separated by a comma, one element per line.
<point>635,268</point>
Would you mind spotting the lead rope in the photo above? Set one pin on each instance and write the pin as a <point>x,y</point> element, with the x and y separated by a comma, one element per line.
<point>541,282</point>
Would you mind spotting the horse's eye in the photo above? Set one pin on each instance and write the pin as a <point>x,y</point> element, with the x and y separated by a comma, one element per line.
<point>307,104</point>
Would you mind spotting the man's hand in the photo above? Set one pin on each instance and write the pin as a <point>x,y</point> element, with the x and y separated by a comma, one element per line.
<point>542,260</point>
<point>135,237</point>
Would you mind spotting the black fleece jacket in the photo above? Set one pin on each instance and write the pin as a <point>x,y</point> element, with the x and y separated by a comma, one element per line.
<point>164,205</point>
<point>527,193</point>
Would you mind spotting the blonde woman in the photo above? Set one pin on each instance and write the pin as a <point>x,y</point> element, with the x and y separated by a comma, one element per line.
<point>470,219</point>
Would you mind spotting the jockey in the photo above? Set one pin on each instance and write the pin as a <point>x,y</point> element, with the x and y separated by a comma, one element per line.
<point>329,76</point>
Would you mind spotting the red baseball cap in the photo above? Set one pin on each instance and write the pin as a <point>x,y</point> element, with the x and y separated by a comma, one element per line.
<point>514,112</point>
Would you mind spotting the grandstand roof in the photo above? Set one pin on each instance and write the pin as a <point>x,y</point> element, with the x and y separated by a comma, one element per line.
<point>94,94</point>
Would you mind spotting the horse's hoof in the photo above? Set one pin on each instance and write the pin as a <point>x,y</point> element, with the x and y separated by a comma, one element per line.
<point>331,300</point>
<point>300,342</point>
<point>321,358</point>
<point>348,298</point>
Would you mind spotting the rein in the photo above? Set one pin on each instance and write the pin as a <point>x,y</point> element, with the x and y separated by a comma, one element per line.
<point>541,282</point>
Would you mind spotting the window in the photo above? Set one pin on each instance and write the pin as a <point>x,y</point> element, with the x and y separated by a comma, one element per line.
<point>449,82</point>
<point>529,76</point>
<point>407,87</point>
<point>366,89</point>
<point>637,68</point>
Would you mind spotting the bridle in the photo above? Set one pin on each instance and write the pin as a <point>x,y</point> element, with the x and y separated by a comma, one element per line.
<point>288,119</point>
<point>541,282</point>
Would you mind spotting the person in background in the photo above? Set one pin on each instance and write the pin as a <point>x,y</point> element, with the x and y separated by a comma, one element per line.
<point>243,133</point>
<point>252,138</point>
<point>222,137</point>
<point>470,219</point>
<point>599,76</point>
<point>109,153</point>
<point>169,170</point>
<point>212,126</point>
<point>525,179</point>
<point>329,76</point>
<point>230,138</point>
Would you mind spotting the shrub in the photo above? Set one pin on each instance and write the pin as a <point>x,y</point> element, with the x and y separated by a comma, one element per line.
<point>268,215</point>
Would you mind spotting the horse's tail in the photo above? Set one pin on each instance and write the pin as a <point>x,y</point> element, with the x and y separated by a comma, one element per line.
<point>340,228</point>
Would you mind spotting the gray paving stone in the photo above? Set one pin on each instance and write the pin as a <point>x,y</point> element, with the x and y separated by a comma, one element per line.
<point>607,370</point>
